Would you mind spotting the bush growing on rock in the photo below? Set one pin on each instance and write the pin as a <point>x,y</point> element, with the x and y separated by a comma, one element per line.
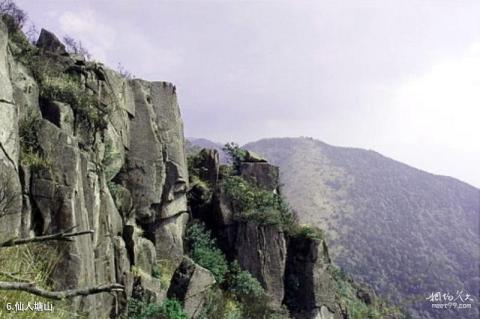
<point>164,270</point>
<point>169,309</point>
<point>68,89</point>
<point>253,203</point>
<point>306,231</point>
<point>30,153</point>
<point>243,284</point>
<point>204,251</point>
<point>235,153</point>
<point>12,15</point>
<point>221,304</point>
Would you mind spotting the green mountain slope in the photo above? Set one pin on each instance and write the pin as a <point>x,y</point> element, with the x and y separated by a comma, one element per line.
<point>405,232</point>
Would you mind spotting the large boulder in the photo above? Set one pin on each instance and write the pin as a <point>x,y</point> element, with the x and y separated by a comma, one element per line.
<point>47,41</point>
<point>190,284</point>
<point>261,249</point>
<point>253,157</point>
<point>261,174</point>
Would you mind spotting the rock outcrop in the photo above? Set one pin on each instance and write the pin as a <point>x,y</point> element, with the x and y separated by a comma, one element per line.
<point>290,261</point>
<point>310,286</point>
<point>261,249</point>
<point>190,283</point>
<point>261,174</point>
<point>119,170</point>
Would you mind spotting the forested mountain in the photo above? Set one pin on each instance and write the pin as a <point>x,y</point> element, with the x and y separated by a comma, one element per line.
<point>404,231</point>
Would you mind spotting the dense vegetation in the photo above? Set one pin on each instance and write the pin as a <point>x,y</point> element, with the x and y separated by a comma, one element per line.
<point>236,289</point>
<point>169,309</point>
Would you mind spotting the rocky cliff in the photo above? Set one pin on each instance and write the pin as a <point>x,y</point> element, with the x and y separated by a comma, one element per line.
<point>254,227</point>
<point>85,148</point>
<point>115,165</point>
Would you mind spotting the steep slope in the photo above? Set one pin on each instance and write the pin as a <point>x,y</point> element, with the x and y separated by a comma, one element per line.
<point>406,232</point>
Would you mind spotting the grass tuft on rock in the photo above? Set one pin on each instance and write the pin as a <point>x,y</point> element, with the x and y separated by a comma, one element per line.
<point>33,263</point>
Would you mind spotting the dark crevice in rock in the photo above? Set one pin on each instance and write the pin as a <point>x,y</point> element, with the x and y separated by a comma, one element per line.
<point>37,220</point>
<point>127,236</point>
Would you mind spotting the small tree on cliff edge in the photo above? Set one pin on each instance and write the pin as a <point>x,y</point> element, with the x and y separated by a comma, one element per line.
<point>235,153</point>
<point>12,15</point>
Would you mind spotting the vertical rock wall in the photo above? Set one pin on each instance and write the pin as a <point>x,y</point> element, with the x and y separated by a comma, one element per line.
<point>126,181</point>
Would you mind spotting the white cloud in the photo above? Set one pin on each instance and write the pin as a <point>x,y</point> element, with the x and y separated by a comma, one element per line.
<point>442,106</point>
<point>435,117</point>
<point>86,26</point>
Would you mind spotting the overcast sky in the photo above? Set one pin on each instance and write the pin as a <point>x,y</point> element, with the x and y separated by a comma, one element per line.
<point>398,77</point>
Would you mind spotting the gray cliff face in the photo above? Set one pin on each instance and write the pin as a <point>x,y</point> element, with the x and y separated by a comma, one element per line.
<point>126,180</point>
<point>262,251</point>
<point>189,283</point>
<point>9,139</point>
<point>308,259</point>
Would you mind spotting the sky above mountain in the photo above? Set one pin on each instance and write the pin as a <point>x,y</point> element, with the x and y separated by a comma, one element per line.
<point>399,77</point>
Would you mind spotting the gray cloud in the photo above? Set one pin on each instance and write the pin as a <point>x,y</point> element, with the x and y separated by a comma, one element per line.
<point>335,70</point>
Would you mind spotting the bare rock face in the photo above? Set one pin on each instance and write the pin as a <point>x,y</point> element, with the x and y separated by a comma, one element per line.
<point>261,174</point>
<point>155,170</point>
<point>10,188</point>
<point>129,171</point>
<point>261,249</point>
<point>49,42</point>
<point>310,288</point>
<point>253,157</point>
<point>190,283</point>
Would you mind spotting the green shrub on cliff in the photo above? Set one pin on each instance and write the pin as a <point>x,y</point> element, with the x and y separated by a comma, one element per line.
<point>13,17</point>
<point>164,270</point>
<point>204,251</point>
<point>169,309</point>
<point>306,231</point>
<point>348,296</point>
<point>243,284</point>
<point>30,152</point>
<point>235,153</point>
<point>253,203</point>
<point>221,304</point>
<point>68,89</point>
<point>200,190</point>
